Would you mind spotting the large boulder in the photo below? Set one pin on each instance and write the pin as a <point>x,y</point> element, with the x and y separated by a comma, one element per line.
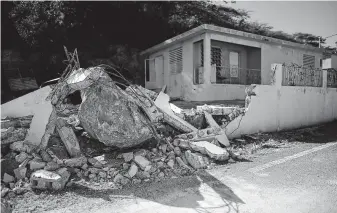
<point>107,113</point>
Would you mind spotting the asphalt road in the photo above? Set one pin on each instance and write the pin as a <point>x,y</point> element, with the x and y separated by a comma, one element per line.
<point>301,178</point>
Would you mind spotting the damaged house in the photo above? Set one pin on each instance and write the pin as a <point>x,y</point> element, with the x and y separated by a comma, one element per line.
<point>214,63</point>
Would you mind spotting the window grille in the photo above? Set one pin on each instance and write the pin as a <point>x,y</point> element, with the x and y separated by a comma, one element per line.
<point>176,60</point>
<point>308,61</point>
<point>216,56</point>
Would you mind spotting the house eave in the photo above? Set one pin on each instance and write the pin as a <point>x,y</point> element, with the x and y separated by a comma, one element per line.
<point>214,29</point>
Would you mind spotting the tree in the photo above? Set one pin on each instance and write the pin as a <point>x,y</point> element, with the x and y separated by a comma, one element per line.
<point>309,39</point>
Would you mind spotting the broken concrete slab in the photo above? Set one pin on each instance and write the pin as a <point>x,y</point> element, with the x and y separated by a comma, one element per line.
<point>197,161</point>
<point>68,137</point>
<point>215,110</point>
<point>12,136</point>
<point>162,102</point>
<point>8,178</point>
<point>75,162</point>
<point>141,161</point>
<point>36,164</point>
<point>43,179</point>
<point>213,151</point>
<point>20,173</point>
<point>18,122</point>
<point>133,170</point>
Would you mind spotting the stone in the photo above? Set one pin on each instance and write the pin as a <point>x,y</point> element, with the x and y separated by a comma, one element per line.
<point>51,166</point>
<point>118,178</point>
<point>161,175</point>
<point>182,163</point>
<point>45,156</point>
<point>94,170</point>
<point>170,163</point>
<point>124,181</point>
<point>21,157</point>
<point>43,179</point>
<point>176,142</point>
<point>11,185</point>
<point>177,151</point>
<point>11,194</point>
<point>75,162</point>
<point>99,91</point>
<point>20,173</point>
<point>22,146</point>
<point>184,144</point>
<point>13,135</point>
<point>213,151</point>
<point>20,190</point>
<point>154,150</point>
<point>148,168</point>
<point>95,163</point>
<point>160,164</point>
<point>163,148</point>
<point>141,152</point>
<point>4,191</point>
<point>143,175</point>
<point>102,174</point>
<point>68,137</point>
<point>8,178</point>
<point>128,156</point>
<point>36,164</point>
<point>85,166</point>
<point>141,161</point>
<point>195,160</point>
<point>136,181</point>
<point>126,166</point>
<point>133,170</point>
<point>92,176</point>
<point>171,155</point>
<point>106,169</point>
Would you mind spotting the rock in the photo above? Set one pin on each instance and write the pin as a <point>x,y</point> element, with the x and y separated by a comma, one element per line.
<point>141,161</point>
<point>163,148</point>
<point>118,178</point>
<point>98,91</point>
<point>133,170</point>
<point>45,156</point>
<point>170,163</point>
<point>11,194</point>
<point>126,166</point>
<point>231,160</point>
<point>154,150</point>
<point>128,156</point>
<point>92,176</point>
<point>102,174</point>
<point>170,156</point>
<point>13,136</point>
<point>36,164</point>
<point>86,173</point>
<point>211,150</point>
<point>22,146</point>
<point>143,175</point>
<point>94,170</point>
<point>136,181</point>
<point>195,160</point>
<point>20,172</point>
<point>124,181</point>
<point>141,152</point>
<point>75,162</point>
<point>106,169</point>
<point>4,191</point>
<point>182,163</point>
<point>43,179</point>
<point>161,175</point>
<point>8,178</point>
<point>95,163</point>
<point>20,190</point>
<point>68,137</point>
<point>176,142</point>
<point>148,168</point>
<point>184,144</point>
<point>11,185</point>
<point>177,151</point>
<point>6,207</point>
<point>160,164</point>
<point>21,157</point>
<point>85,166</point>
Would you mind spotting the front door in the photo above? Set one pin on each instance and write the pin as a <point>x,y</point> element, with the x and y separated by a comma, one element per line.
<point>159,67</point>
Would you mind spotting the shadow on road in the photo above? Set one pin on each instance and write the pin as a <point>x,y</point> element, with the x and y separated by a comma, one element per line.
<point>197,192</point>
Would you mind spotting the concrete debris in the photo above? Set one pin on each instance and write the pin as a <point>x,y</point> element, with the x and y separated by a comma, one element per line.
<point>36,164</point>
<point>141,161</point>
<point>20,172</point>
<point>20,122</point>
<point>51,166</point>
<point>68,137</point>
<point>13,135</point>
<point>42,179</point>
<point>75,162</point>
<point>21,157</point>
<point>133,170</point>
<point>8,178</point>
<point>22,146</point>
<point>128,156</point>
<point>197,161</point>
<point>213,151</point>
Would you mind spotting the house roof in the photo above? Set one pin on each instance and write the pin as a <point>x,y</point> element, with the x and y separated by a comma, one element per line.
<point>214,29</point>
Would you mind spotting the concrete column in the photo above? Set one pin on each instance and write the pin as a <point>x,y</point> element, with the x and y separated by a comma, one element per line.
<point>277,75</point>
<point>325,79</point>
<point>207,59</point>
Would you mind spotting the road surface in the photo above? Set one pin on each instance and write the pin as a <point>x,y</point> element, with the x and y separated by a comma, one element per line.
<point>295,179</point>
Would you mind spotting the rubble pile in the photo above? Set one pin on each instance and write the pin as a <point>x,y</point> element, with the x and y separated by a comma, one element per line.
<point>115,137</point>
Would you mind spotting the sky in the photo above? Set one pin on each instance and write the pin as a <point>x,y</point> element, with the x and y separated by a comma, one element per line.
<point>315,17</point>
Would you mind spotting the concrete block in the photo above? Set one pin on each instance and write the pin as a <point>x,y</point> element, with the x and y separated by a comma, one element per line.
<point>43,179</point>
<point>141,161</point>
<point>68,137</point>
<point>36,164</point>
<point>211,150</point>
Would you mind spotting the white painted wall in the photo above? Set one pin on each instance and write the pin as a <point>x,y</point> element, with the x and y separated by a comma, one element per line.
<point>33,103</point>
<point>277,108</point>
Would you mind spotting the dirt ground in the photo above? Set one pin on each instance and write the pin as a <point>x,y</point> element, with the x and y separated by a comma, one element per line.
<point>82,196</point>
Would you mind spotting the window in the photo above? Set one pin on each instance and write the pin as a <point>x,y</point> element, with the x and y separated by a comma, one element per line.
<point>234,64</point>
<point>176,60</point>
<point>150,70</point>
<point>216,56</point>
<point>308,61</point>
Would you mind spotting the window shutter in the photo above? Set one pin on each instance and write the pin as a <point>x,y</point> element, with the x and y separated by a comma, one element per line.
<point>176,60</point>
<point>308,61</point>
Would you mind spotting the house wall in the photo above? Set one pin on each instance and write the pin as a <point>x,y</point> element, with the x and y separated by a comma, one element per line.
<point>277,107</point>
<point>330,62</point>
<point>270,53</point>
